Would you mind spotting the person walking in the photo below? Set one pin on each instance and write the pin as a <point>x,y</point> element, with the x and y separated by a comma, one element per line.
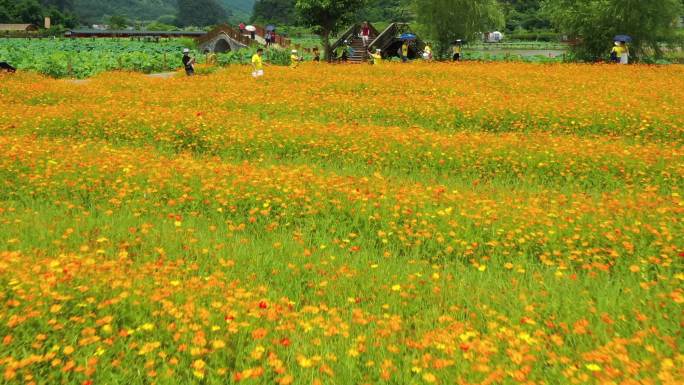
<point>188,62</point>
<point>258,64</point>
<point>404,51</point>
<point>427,52</point>
<point>269,38</point>
<point>624,53</point>
<point>294,59</point>
<point>242,28</point>
<point>365,33</point>
<point>456,51</point>
<point>316,55</point>
<point>615,53</point>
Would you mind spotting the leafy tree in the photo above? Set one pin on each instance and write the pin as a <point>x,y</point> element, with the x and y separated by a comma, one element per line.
<point>167,19</point>
<point>118,22</point>
<point>595,22</point>
<point>29,11</point>
<point>447,20</point>
<point>200,12</point>
<point>327,17</point>
<point>61,5</point>
<point>525,14</point>
<point>387,10</point>
<point>280,12</point>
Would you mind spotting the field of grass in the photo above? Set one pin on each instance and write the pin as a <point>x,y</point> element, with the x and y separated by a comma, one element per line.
<point>501,223</point>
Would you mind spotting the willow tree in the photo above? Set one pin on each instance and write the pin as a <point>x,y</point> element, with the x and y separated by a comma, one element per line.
<point>594,23</point>
<point>448,20</point>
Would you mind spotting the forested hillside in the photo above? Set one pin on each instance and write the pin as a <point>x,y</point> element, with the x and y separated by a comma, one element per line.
<point>73,12</point>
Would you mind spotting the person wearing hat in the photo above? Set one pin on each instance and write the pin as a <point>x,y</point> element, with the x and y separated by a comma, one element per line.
<point>294,59</point>
<point>4,66</point>
<point>456,49</point>
<point>188,62</point>
<point>258,63</point>
<point>377,56</point>
<point>427,52</point>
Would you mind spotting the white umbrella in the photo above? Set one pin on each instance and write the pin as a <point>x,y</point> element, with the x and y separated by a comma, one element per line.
<point>250,28</point>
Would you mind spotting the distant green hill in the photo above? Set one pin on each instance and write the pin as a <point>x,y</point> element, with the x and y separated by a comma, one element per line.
<point>94,11</point>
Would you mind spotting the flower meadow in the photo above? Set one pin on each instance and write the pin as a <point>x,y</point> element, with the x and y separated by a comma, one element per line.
<point>501,223</point>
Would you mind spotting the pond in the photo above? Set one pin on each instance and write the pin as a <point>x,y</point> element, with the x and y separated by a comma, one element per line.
<point>550,53</point>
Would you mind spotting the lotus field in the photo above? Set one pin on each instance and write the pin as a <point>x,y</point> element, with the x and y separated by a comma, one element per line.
<point>501,223</point>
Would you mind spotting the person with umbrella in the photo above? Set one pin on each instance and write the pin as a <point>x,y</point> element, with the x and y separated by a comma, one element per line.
<point>620,52</point>
<point>188,62</point>
<point>404,51</point>
<point>252,31</point>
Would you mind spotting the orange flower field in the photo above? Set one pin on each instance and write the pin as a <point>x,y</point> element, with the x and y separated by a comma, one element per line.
<point>403,224</point>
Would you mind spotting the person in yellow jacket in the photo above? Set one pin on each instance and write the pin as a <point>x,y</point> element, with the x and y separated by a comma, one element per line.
<point>427,52</point>
<point>377,56</point>
<point>620,53</point>
<point>294,59</point>
<point>258,64</point>
<point>457,51</point>
<point>404,51</point>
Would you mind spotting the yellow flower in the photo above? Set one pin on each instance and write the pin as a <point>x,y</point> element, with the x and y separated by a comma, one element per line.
<point>199,365</point>
<point>396,288</point>
<point>593,368</point>
<point>304,362</point>
<point>429,378</point>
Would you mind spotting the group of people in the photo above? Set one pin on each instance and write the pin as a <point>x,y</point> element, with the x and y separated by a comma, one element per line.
<point>620,53</point>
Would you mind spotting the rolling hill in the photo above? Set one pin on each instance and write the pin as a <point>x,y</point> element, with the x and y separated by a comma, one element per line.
<point>95,11</point>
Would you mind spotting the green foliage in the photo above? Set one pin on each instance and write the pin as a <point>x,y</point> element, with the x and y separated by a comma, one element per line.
<point>34,12</point>
<point>83,58</point>
<point>328,17</point>
<point>200,12</point>
<point>447,20</point>
<point>387,11</point>
<point>118,22</point>
<point>525,15</point>
<point>533,36</point>
<point>97,11</point>
<point>596,22</point>
<point>280,12</point>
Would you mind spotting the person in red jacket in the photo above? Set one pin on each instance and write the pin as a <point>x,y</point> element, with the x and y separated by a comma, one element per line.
<point>365,33</point>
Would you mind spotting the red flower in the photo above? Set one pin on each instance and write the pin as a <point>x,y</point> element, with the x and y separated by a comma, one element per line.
<point>285,342</point>
<point>263,305</point>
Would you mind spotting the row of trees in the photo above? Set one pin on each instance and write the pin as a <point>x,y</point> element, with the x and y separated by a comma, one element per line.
<point>34,12</point>
<point>591,23</point>
<point>69,13</point>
